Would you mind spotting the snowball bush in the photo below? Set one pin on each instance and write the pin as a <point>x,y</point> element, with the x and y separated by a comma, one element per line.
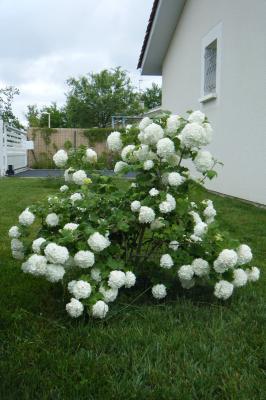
<point>99,240</point>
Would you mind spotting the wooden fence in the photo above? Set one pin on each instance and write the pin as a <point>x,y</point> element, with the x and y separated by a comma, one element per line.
<point>47,142</point>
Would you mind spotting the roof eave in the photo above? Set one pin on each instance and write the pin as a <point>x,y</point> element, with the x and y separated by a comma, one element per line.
<point>162,24</point>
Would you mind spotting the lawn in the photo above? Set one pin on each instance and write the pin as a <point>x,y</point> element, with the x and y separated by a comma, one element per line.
<point>191,348</point>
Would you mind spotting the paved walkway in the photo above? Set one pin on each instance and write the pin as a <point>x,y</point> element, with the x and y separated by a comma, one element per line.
<point>40,173</point>
<point>54,173</point>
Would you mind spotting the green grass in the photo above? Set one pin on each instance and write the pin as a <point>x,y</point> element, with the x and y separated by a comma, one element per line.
<point>191,348</point>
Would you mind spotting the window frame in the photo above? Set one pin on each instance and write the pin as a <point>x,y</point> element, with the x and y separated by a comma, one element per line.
<point>215,34</point>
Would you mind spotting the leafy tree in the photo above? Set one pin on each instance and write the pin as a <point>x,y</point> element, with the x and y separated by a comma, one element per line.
<point>93,99</point>
<point>39,118</point>
<point>152,97</point>
<point>7,95</point>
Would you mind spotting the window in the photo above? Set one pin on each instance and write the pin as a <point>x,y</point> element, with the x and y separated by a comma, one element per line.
<point>211,64</point>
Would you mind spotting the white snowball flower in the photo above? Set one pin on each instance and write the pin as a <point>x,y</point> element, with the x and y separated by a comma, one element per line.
<point>209,214</point>
<point>226,259</point>
<point>117,279</point>
<point>60,158</point>
<point>143,152</point>
<point>75,308</point>
<point>127,152</point>
<point>64,188</point>
<point>96,274</point>
<point>100,309</point>
<point>253,274</point>
<point>35,265</point>
<point>240,277</point>
<point>203,161</point>
<point>187,283</point>
<point>98,242</point>
<point>186,272</point>
<point>174,245</point>
<point>192,136</point>
<point>56,254</point>
<point>54,272</point>
<point>74,197</point>
<point>196,116</point>
<point>17,245</point>
<point>14,232</point>
<point>135,206</point>
<point>159,291</point>
<point>165,207</point>
<point>114,142</point>
<point>244,254</point>
<point>153,192</point>
<point>81,289</point>
<point>172,124</point>
<point>173,160</point>
<point>171,200</point>
<point>195,238</point>
<point>68,174</point>
<point>71,226</point>
<point>52,219</point>
<point>223,290</point>
<point>165,147</point>
<point>128,127</point>
<point>166,261</point>
<point>71,285</point>
<point>158,223</point>
<point>91,156</point>
<point>175,179</point>
<point>119,166</point>
<point>200,267</point>
<point>109,295</point>
<point>146,121</point>
<point>153,133</point>
<point>148,164</point>
<point>200,229</point>
<point>79,176</point>
<point>195,216</point>
<point>36,245</point>
<point>26,218</point>
<point>146,215</point>
<point>84,259</point>
<point>130,279</point>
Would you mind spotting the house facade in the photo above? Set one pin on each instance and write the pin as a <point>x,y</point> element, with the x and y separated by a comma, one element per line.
<point>211,55</point>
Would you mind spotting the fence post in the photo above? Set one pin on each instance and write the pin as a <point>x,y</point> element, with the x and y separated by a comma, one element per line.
<point>2,148</point>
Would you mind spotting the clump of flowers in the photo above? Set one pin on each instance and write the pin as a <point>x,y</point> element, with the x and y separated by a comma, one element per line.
<point>99,240</point>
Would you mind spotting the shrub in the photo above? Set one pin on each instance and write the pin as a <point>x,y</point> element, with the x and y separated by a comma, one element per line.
<point>99,239</point>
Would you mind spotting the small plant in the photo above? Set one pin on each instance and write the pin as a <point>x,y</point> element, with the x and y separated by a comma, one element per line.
<point>99,239</point>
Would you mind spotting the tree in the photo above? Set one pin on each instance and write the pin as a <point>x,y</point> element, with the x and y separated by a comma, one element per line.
<point>39,118</point>
<point>93,99</point>
<point>7,95</point>
<point>152,97</point>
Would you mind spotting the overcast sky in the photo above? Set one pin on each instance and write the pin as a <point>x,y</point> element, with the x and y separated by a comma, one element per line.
<point>43,42</point>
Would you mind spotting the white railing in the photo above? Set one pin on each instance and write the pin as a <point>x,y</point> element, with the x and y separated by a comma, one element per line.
<point>13,148</point>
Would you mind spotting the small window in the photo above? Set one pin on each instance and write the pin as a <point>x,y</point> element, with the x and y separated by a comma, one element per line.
<point>210,63</point>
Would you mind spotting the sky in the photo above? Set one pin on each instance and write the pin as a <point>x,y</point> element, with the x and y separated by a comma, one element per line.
<point>47,41</point>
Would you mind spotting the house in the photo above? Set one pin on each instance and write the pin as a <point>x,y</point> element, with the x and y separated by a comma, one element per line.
<point>211,55</point>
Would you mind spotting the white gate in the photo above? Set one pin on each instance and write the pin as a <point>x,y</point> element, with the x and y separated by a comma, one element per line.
<point>13,148</point>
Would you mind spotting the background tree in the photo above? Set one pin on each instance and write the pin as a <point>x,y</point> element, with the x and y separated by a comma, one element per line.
<point>93,99</point>
<point>7,95</point>
<point>152,97</point>
<point>38,118</point>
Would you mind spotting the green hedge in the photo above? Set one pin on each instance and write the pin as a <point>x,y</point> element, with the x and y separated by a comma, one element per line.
<point>99,134</point>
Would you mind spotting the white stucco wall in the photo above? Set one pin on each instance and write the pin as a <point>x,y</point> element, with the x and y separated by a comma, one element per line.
<point>238,115</point>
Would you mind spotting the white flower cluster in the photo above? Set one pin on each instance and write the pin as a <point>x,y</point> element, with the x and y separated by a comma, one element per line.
<point>146,215</point>
<point>79,176</point>
<point>84,259</point>
<point>168,205</point>
<point>60,158</point>
<point>91,156</point>
<point>98,242</point>
<point>114,142</point>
